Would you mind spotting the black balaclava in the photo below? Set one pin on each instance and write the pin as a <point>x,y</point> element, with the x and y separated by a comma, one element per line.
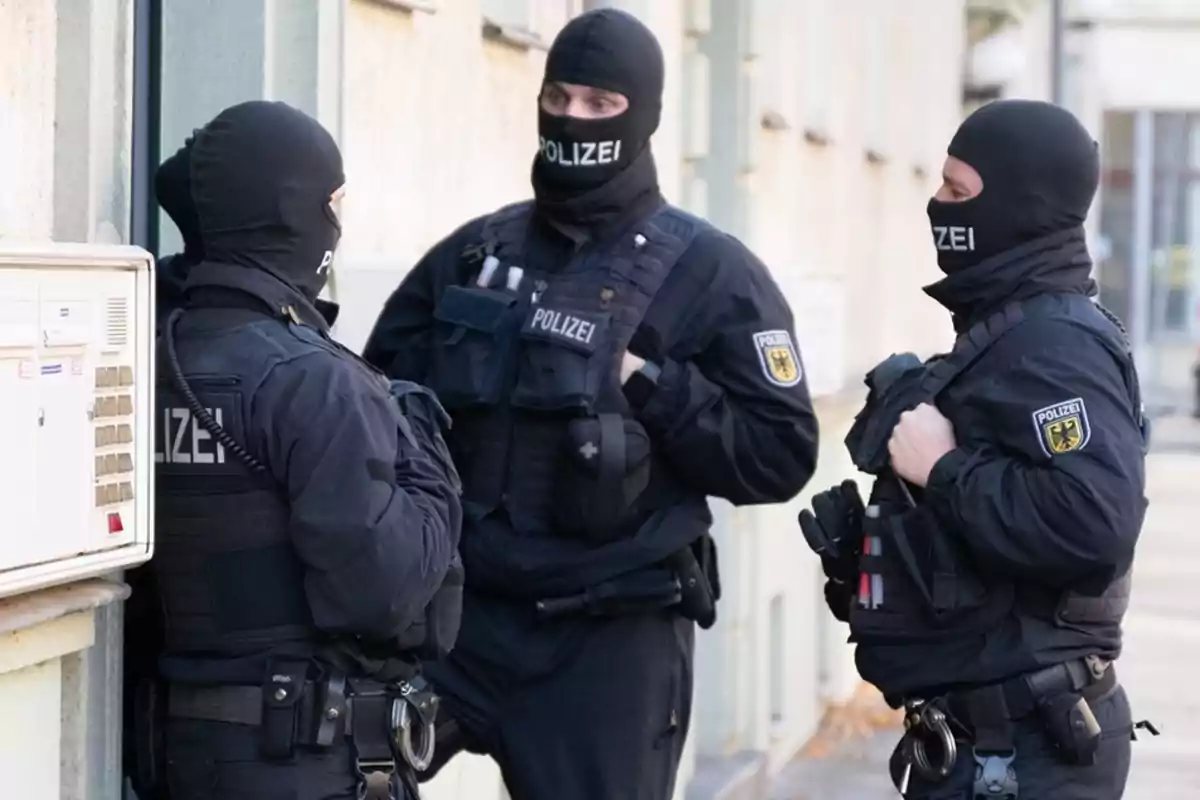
<point>1040,171</point>
<point>173,191</point>
<point>579,159</point>
<point>262,175</point>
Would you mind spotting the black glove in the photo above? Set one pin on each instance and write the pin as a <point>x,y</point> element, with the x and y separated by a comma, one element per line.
<point>839,596</point>
<point>833,529</point>
<point>425,420</point>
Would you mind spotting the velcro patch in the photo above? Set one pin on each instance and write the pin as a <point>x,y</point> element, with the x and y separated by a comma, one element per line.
<point>778,358</point>
<point>1063,427</point>
<point>580,330</point>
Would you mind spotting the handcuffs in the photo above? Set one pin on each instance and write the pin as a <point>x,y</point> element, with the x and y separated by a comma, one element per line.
<point>921,715</point>
<point>420,702</point>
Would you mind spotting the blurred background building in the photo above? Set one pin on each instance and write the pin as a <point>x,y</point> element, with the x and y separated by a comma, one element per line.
<point>814,130</point>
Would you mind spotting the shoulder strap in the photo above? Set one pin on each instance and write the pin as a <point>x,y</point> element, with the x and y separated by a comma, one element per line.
<point>1123,349</point>
<point>664,238</point>
<point>979,338</point>
<point>504,230</point>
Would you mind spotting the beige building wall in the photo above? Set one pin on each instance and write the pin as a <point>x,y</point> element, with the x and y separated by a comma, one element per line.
<point>440,125</point>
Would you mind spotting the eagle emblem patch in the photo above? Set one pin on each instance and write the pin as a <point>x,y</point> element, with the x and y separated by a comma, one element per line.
<point>778,358</point>
<point>1063,427</point>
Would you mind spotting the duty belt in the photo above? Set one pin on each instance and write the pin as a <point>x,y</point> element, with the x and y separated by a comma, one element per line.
<point>990,712</point>
<point>379,719</point>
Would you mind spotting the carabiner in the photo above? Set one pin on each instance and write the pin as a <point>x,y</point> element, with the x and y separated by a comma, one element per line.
<point>932,719</point>
<point>403,737</point>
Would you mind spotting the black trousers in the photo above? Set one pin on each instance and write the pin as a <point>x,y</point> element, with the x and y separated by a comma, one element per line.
<point>220,761</point>
<point>583,708</point>
<point>1041,774</point>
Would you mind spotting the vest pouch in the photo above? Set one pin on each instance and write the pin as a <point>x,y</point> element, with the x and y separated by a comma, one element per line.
<point>563,359</point>
<point>1079,611</point>
<point>473,346</point>
<point>605,468</point>
<point>916,585</point>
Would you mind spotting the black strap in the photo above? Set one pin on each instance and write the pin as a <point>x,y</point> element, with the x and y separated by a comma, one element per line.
<point>611,460</point>
<point>1090,677</point>
<point>370,738</point>
<point>899,538</point>
<point>974,343</point>
<point>988,710</point>
<point>637,592</point>
<point>331,709</point>
<point>504,230</point>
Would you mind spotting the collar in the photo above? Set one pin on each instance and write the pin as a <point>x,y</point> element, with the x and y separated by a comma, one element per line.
<point>633,194</point>
<point>1055,264</point>
<point>283,300</point>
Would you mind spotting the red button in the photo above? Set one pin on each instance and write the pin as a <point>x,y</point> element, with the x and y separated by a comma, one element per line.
<point>114,523</point>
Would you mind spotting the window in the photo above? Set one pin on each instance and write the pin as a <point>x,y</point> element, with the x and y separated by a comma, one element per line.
<point>526,24</point>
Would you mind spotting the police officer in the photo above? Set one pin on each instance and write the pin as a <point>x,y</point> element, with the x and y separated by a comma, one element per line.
<point>304,522</point>
<point>986,582</point>
<point>609,361</point>
<point>143,630</point>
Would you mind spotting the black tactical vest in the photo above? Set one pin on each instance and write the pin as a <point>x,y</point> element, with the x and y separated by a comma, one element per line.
<point>916,583</point>
<point>520,354</point>
<point>230,581</point>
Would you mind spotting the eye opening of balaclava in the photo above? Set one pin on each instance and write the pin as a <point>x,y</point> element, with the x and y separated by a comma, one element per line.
<point>262,177</point>
<point>606,49</point>
<point>1040,171</point>
<point>173,192</point>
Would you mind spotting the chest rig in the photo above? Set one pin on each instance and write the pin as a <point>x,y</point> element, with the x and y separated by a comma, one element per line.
<point>916,583</point>
<point>522,351</point>
<point>223,520</point>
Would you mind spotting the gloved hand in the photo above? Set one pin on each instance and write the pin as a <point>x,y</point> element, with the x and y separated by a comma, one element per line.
<point>839,596</point>
<point>423,421</point>
<point>834,529</point>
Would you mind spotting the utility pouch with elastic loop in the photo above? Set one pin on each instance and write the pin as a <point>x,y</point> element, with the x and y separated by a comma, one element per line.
<point>282,690</point>
<point>475,336</point>
<point>605,469</point>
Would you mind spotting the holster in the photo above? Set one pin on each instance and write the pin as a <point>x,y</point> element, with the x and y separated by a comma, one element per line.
<point>699,581</point>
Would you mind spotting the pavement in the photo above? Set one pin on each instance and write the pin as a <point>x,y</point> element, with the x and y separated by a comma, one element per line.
<point>1162,650</point>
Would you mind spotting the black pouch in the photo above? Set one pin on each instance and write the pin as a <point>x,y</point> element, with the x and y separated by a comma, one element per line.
<point>281,693</point>
<point>699,587</point>
<point>563,359</point>
<point>474,346</point>
<point>1072,727</point>
<point>605,469</point>
<point>915,585</point>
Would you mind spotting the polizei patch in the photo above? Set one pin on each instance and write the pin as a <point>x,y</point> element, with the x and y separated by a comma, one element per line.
<point>1062,427</point>
<point>580,154</point>
<point>777,355</point>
